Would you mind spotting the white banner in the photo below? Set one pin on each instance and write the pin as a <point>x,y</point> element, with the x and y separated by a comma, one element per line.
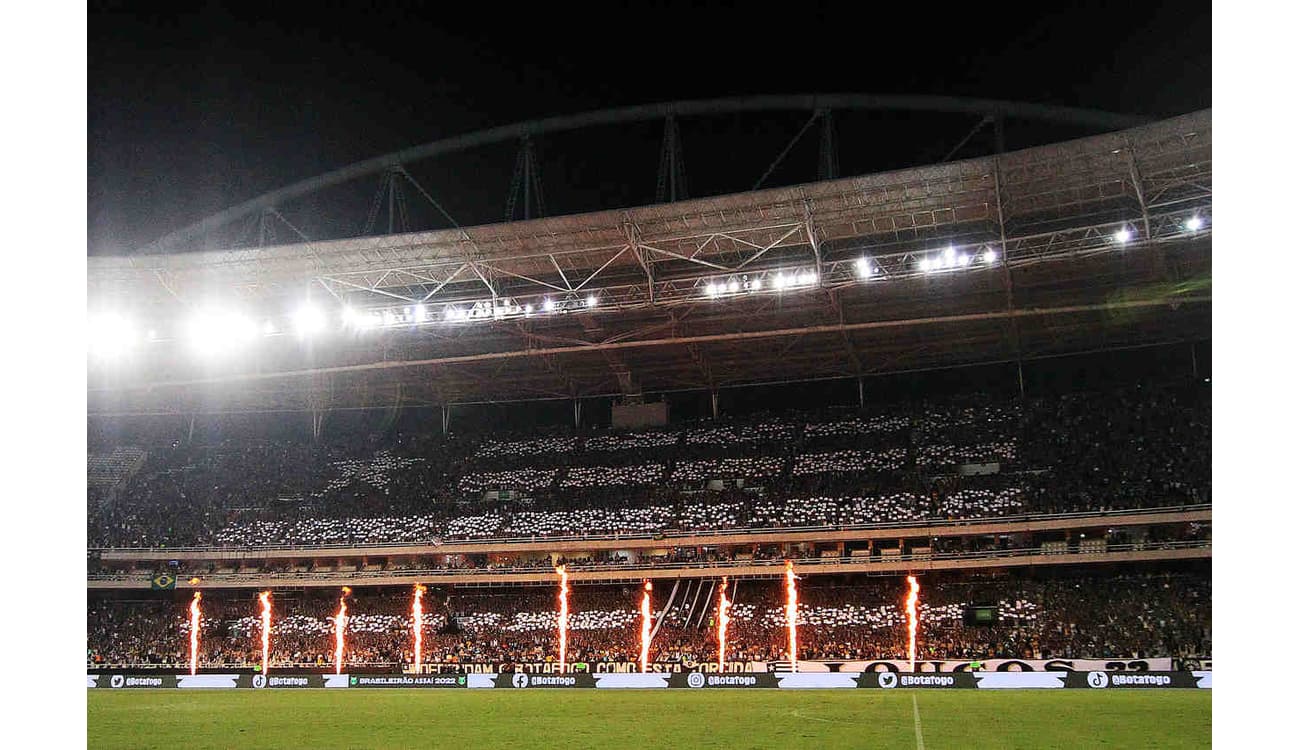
<point>1164,664</point>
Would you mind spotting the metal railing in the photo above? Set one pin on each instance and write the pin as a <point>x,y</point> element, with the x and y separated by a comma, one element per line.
<point>777,564</point>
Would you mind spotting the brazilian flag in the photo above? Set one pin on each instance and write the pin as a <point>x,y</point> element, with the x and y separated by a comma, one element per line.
<point>162,581</point>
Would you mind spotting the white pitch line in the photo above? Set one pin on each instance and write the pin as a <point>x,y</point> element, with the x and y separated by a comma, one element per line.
<point>916,717</point>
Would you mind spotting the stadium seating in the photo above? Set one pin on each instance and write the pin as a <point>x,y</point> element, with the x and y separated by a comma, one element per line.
<point>1079,452</point>
<point>1066,614</point>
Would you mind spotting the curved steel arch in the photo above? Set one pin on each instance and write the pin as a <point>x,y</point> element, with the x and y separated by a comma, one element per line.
<point>645,112</point>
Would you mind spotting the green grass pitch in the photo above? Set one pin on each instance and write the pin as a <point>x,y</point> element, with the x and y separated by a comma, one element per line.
<point>649,719</point>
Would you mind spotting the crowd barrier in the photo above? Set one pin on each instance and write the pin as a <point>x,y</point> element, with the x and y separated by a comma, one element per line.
<point>882,680</point>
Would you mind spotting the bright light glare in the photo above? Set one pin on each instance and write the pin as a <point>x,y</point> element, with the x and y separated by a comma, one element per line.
<point>733,286</point>
<point>990,256</point>
<point>864,268</point>
<point>308,319</point>
<point>1123,235</point>
<point>780,281</point>
<point>215,332</point>
<point>591,301</point>
<point>110,335</point>
<point>756,284</point>
<point>925,264</point>
<point>963,260</point>
<point>418,313</point>
<point>1194,224</point>
<point>548,304</point>
<point>711,289</point>
<point>268,328</point>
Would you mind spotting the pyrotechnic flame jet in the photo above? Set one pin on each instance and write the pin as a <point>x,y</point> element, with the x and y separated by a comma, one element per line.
<point>564,616</point>
<point>417,623</point>
<point>723,619</point>
<point>265,598</point>
<point>196,620</point>
<point>645,626</point>
<point>914,588</point>
<point>792,614</point>
<point>340,626</point>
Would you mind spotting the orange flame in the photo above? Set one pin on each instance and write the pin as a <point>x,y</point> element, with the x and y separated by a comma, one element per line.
<point>195,624</point>
<point>792,615</point>
<point>911,622</point>
<point>340,625</point>
<point>417,622</point>
<point>564,615</point>
<point>723,619</point>
<point>645,626</point>
<point>265,598</point>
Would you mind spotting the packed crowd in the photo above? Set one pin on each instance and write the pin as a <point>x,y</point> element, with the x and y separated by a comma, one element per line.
<point>1071,614</point>
<point>1116,450</point>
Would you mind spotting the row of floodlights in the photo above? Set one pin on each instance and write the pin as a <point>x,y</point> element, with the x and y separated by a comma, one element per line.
<point>1193,223</point>
<point>215,330</point>
<point>865,267</point>
<point>483,310</point>
<point>780,281</point>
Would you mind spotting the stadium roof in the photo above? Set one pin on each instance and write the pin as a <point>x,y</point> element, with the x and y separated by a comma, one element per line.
<point>1077,246</point>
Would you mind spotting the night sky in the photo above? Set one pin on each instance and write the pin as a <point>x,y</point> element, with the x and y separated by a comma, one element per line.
<point>192,111</point>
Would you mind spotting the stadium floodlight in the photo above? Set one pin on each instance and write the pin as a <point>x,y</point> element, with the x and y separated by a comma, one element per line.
<point>548,304</point>
<point>756,284</point>
<point>733,286</point>
<point>779,282</point>
<point>864,268</point>
<point>1123,235</point>
<point>963,260</point>
<point>1195,223</point>
<point>528,309</point>
<point>949,256</point>
<point>308,320</point>
<point>924,264</point>
<point>419,313</point>
<point>989,255</point>
<point>592,300</point>
<point>711,289</point>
